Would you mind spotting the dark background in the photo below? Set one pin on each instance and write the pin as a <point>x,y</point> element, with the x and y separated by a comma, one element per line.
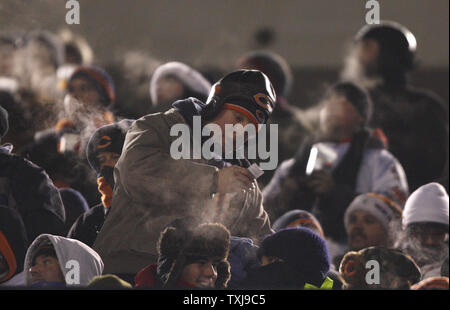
<point>313,35</point>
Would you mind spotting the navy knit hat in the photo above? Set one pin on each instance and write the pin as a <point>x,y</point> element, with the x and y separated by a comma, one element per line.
<point>102,81</point>
<point>3,122</point>
<point>295,218</point>
<point>109,138</point>
<point>300,248</point>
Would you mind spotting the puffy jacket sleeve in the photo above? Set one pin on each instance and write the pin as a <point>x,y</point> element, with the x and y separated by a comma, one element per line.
<point>257,223</point>
<point>38,201</point>
<point>147,172</point>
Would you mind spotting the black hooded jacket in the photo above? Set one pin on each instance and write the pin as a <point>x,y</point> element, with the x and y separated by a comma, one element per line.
<point>28,189</point>
<point>88,225</point>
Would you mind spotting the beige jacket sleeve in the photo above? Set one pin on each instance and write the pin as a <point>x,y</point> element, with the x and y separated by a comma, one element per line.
<point>149,174</point>
<point>251,220</point>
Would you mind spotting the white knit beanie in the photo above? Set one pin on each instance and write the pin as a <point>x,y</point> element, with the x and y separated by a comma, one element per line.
<point>429,203</point>
<point>188,76</point>
<point>381,207</point>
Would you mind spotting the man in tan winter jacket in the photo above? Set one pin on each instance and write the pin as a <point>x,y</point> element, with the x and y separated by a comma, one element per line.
<point>152,189</point>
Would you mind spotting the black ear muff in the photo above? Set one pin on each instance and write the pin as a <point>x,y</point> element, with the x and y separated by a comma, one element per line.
<point>209,109</point>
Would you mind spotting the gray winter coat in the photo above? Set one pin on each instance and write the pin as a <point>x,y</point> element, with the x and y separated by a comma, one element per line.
<point>152,189</point>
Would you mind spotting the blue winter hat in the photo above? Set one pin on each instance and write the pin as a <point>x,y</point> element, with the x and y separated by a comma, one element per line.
<point>300,248</point>
<point>101,79</point>
<point>298,218</point>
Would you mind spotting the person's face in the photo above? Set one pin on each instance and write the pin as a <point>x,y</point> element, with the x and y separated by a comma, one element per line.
<point>46,269</point>
<point>429,235</point>
<point>364,230</point>
<point>168,89</point>
<point>107,159</point>
<point>84,91</point>
<point>339,119</point>
<point>361,63</point>
<point>367,51</point>
<point>227,116</point>
<point>201,274</point>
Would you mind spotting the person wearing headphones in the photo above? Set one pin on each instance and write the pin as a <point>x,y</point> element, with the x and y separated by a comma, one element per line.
<point>152,188</point>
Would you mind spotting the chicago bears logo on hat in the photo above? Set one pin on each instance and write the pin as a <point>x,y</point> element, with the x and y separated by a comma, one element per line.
<point>105,141</point>
<point>264,101</point>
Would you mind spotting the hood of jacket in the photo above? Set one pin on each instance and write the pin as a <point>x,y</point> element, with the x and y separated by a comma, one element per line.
<point>71,253</point>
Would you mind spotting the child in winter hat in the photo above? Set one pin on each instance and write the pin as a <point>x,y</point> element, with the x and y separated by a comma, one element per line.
<point>185,251</point>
